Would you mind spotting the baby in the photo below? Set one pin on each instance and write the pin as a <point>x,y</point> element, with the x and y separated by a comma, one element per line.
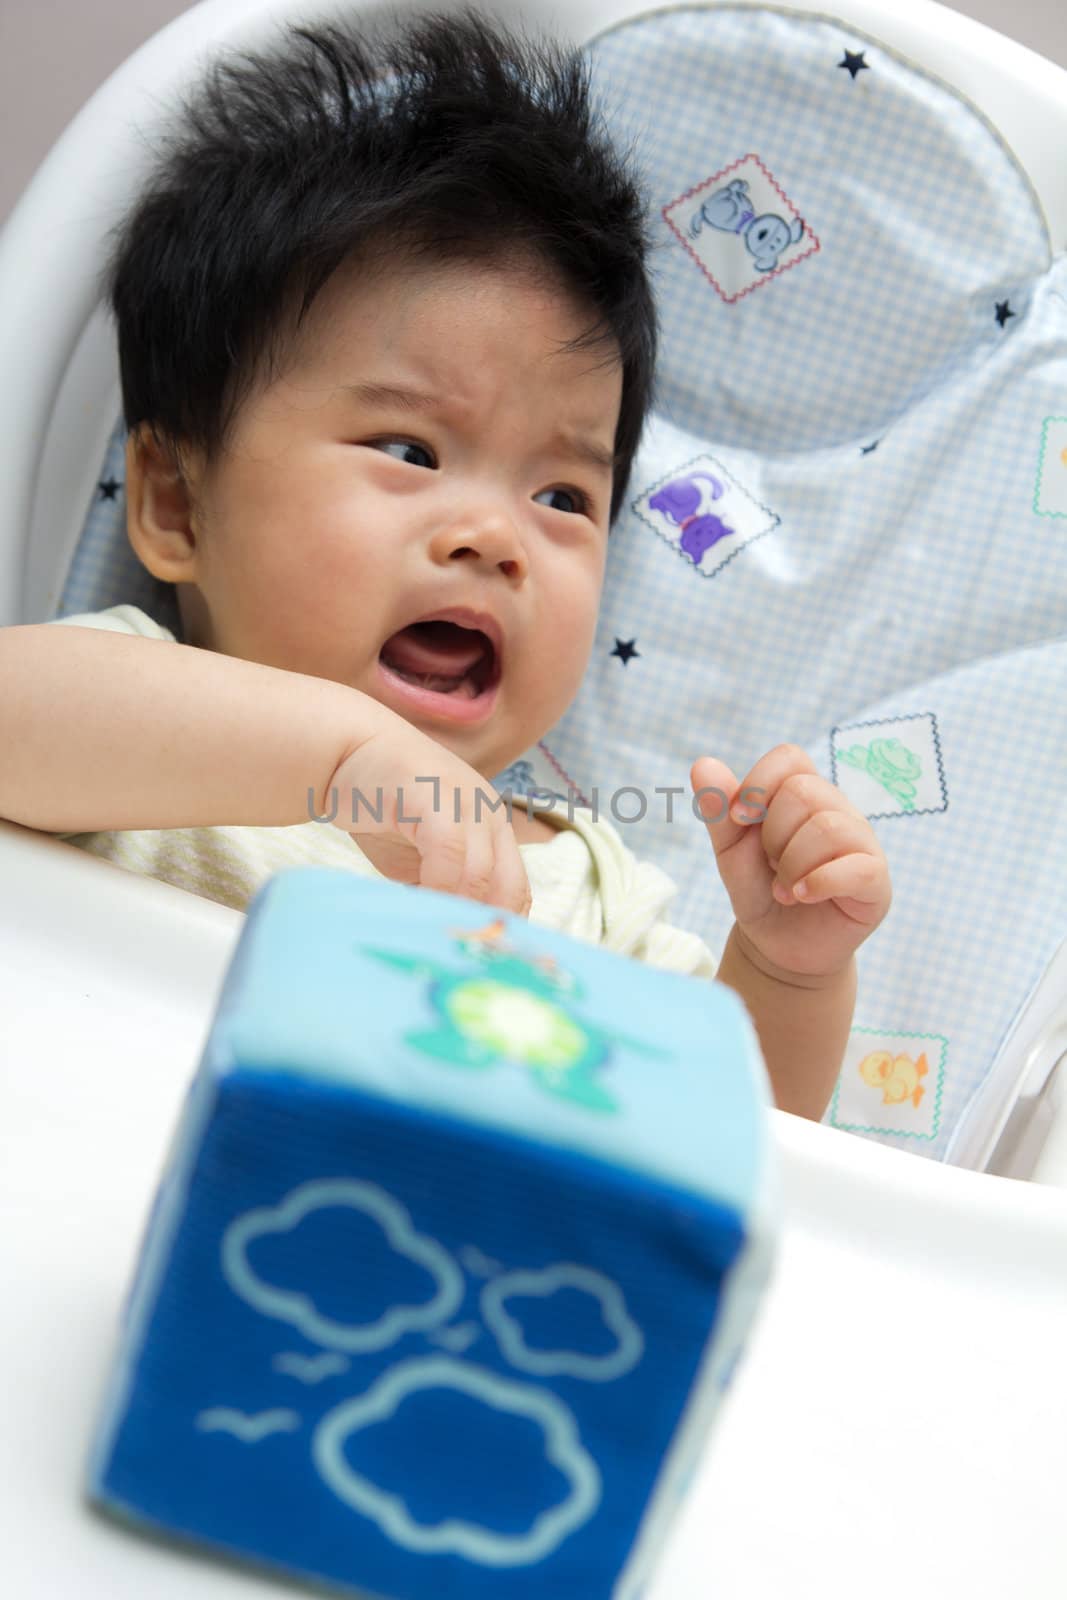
<point>387,342</point>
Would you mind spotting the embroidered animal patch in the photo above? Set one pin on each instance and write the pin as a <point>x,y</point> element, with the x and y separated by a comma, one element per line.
<point>739,228</point>
<point>890,1083</point>
<point>892,768</point>
<point>538,772</point>
<point>704,512</point>
<point>1050,493</point>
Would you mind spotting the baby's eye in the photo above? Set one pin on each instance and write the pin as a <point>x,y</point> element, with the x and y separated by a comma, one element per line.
<point>579,501</point>
<point>405,445</point>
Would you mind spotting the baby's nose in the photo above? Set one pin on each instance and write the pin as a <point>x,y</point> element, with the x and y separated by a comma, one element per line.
<point>493,540</point>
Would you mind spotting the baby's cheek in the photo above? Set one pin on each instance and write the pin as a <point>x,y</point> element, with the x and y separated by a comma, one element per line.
<point>575,641</point>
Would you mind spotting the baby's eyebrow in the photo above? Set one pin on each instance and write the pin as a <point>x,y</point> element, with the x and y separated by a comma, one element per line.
<point>580,447</point>
<point>391,394</point>
<point>565,441</point>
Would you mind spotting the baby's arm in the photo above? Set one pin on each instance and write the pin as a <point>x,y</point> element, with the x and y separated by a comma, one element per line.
<point>802,1024</point>
<point>101,730</point>
<point>108,730</point>
<point>808,882</point>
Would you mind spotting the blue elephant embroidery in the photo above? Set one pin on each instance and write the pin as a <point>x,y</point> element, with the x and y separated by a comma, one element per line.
<point>679,501</point>
<point>731,210</point>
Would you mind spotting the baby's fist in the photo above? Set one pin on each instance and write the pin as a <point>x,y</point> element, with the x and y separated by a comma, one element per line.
<point>806,876</point>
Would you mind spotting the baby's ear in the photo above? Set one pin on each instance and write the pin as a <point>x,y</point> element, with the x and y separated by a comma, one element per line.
<point>160,508</point>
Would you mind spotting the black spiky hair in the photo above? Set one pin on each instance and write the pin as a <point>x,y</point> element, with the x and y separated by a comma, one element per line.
<point>444,137</point>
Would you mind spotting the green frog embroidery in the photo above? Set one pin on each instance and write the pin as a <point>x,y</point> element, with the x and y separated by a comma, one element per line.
<point>889,763</point>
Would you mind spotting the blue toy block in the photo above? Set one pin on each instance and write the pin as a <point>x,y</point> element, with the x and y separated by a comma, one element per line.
<point>460,1237</point>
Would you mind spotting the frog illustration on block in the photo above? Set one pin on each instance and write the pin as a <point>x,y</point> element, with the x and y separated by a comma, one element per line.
<point>515,1008</point>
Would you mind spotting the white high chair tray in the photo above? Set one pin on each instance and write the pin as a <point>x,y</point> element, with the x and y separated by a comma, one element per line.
<point>899,1424</point>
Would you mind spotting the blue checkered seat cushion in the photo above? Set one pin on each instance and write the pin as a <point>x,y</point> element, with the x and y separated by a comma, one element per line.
<point>847,524</point>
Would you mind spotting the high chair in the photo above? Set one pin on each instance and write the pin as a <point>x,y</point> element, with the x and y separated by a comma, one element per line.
<point>896,500</point>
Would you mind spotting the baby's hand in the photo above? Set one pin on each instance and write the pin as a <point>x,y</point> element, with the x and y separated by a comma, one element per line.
<point>419,839</point>
<point>805,874</point>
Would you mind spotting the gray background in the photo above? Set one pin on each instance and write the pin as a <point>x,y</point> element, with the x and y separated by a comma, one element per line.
<point>54,53</point>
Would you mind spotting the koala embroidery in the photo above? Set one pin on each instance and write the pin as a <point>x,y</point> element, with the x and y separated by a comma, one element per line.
<point>740,204</point>
<point>731,210</point>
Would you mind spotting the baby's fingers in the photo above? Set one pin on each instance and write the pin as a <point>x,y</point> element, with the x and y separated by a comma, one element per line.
<point>474,860</point>
<point>509,886</point>
<point>858,885</point>
<point>714,787</point>
<point>443,849</point>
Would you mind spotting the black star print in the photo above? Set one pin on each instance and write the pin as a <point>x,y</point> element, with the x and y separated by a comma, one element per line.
<point>1003,311</point>
<point>867,448</point>
<point>854,63</point>
<point>109,488</point>
<point>624,650</point>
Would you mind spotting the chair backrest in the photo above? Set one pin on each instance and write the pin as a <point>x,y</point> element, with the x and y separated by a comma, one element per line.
<point>55,338</point>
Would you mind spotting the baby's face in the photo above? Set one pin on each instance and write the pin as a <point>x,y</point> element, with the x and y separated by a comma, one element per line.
<point>345,512</point>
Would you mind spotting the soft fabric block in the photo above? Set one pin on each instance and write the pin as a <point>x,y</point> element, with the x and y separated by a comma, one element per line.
<point>462,1233</point>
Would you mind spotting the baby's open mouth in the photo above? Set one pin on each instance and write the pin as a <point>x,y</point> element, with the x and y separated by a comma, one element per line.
<point>443,658</point>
